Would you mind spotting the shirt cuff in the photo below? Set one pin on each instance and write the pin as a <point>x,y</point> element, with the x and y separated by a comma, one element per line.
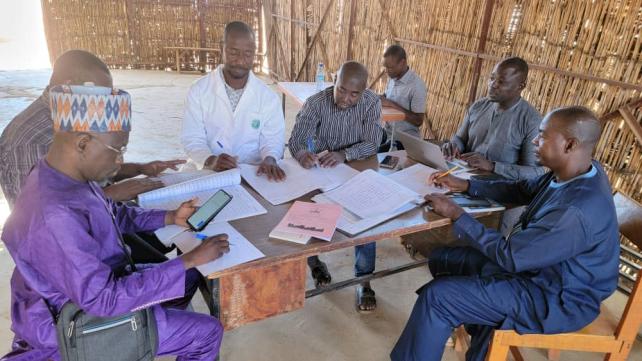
<point>475,187</point>
<point>463,225</point>
<point>351,154</point>
<point>157,219</point>
<point>500,168</point>
<point>271,153</point>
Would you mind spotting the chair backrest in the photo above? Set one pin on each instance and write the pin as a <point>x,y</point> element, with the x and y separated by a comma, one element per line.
<point>629,217</point>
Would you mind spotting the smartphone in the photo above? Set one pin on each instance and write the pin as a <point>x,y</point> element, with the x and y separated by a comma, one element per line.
<point>389,161</point>
<point>208,210</point>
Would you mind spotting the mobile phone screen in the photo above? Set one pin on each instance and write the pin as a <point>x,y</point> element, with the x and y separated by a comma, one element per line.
<point>209,210</point>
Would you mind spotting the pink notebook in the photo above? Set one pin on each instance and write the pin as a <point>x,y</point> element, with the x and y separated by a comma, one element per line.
<point>306,220</point>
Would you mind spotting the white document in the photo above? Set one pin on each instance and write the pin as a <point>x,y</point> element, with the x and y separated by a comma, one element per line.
<point>298,181</point>
<point>241,250</point>
<point>242,205</point>
<point>370,194</point>
<point>351,224</point>
<point>416,179</point>
<point>172,178</point>
<point>188,188</point>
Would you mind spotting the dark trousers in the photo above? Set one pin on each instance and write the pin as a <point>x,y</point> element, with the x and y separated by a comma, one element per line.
<point>461,293</point>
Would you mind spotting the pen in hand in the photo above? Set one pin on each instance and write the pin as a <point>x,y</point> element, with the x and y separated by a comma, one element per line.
<point>203,237</point>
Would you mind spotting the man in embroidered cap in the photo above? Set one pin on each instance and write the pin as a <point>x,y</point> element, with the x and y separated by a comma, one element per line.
<point>28,136</point>
<point>65,242</point>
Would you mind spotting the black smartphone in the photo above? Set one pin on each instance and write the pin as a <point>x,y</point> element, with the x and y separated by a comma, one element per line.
<point>208,210</point>
<point>389,161</point>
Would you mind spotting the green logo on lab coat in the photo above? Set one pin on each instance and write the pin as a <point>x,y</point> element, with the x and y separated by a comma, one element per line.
<point>256,123</point>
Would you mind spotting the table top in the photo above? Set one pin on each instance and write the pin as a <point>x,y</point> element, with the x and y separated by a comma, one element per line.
<point>257,228</point>
<point>300,91</point>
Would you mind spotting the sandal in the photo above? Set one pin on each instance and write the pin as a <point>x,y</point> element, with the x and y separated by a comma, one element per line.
<point>321,275</point>
<point>365,301</point>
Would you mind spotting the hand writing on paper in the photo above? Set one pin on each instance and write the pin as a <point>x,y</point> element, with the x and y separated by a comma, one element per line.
<point>478,161</point>
<point>450,150</point>
<point>444,206</point>
<point>180,215</point>
<point>154,168</point>
<point>210,249</point>
<point>449,181</point>
<point>306,159</point>
<point>129,189</point>
<point>220,162</point>
<point>271,169</point>
<point>332,159</point>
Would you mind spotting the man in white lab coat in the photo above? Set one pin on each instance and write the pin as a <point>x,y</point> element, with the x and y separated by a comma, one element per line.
<point>232,116</point>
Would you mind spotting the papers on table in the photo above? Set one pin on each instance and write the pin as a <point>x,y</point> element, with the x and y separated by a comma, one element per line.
<point>305,220</point>
<point>299,181</point>
<point>416,179</point>
<point>165,198</point>
<point>370,194</point>
<point>184,186</point>
<point>241,250</point>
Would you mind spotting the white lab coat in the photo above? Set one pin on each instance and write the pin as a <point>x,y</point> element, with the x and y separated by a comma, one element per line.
<point>254,131</point>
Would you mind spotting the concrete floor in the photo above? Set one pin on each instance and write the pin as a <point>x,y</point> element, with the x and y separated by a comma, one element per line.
<point>328,328</point>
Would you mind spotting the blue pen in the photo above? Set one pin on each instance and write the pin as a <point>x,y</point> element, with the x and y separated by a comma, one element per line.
<point>311,149</point>
<point>203,237</point>
<point>220,145</point>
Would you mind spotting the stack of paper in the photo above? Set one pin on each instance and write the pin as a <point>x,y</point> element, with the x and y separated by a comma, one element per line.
<point>241,250</point>
<point>416,178</point>
<point>299,181</point>
<point>169,198</point>
<point>368,199</point>
<point>305,220</point>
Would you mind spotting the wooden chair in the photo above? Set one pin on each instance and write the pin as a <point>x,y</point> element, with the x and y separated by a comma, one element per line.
<point>603,335</point>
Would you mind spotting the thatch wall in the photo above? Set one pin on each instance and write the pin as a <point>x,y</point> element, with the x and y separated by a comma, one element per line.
<point>580,52</point>
<point>134,33</point>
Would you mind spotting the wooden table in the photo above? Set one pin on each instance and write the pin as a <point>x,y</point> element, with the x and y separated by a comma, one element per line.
<point>276,283</point>
<point>300,91</point>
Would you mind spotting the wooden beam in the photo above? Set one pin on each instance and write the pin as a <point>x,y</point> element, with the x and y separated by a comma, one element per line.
<point>377,79</point>
<point>317,34</point>
<point>296,21</point>
<point>200,10</point>
<point>386,17</point>
<point>277,36</point>
<point>633,124</point>
<point>481,47</point>
<point>546,68</point>
<point>616,113</point>
<point>353,18</point>
<point>292,42</point>
<point>326,60</point>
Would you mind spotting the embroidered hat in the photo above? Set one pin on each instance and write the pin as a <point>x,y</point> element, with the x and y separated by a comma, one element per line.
<point>88,108</point>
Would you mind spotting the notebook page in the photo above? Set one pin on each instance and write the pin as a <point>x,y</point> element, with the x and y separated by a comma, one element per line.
<point>416,179</point>
<point>172,178</point>
<point>241,250</point>
<point>370,194</point>
<point>191,187</point>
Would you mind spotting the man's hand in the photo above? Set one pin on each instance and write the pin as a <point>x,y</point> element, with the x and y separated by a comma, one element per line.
<point>444,206</point>
<point>306,159</point>
<point>180,215</point>
<point>478,161</point>
<point>156,167</point>
<point>385,102</point>
<point>211,248</point>
<point>451,182</point>
<point>270,168</point>
<point>129,189</point>
<point>332,159</point>
<point>220,162</point>
<point>450,150</point>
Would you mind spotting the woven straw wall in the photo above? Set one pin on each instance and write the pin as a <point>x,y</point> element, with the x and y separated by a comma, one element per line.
<point>580,52</point>
<point>134,33</point>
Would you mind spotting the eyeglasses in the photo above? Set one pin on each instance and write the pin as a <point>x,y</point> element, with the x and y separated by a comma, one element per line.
<point>119,152</point>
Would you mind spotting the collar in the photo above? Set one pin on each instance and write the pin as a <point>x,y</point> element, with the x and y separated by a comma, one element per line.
<point>592,172</point>
<point>405,78</point>
<point>219,70</point>
<point>513,107</point>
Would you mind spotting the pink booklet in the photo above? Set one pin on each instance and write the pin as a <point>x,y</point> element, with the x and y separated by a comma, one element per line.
<point>305,220</point>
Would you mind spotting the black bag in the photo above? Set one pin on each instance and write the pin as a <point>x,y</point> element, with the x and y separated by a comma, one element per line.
<point>129,337</point>
<point>83,337</point>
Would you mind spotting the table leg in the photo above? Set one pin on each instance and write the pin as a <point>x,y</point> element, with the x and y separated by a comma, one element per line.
<point>283,102</point>
<point>178,61</point>
<point>392,136</point>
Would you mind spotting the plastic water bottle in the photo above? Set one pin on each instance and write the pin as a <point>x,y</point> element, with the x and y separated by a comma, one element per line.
<point>320,77</point>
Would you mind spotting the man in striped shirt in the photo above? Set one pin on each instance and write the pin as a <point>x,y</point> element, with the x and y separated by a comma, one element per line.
<point>341,122</point>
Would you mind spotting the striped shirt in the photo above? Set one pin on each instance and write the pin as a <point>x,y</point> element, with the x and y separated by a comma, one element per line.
<point>24,141</point>
<point>355,130</point>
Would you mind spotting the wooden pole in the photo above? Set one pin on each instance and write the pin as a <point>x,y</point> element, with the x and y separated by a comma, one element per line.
<point>292,40</point>
<point>200,10</point>
<point>633,124</point>
<point>481,47</point>
<point>353,18</point>
<point>314,39</point>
